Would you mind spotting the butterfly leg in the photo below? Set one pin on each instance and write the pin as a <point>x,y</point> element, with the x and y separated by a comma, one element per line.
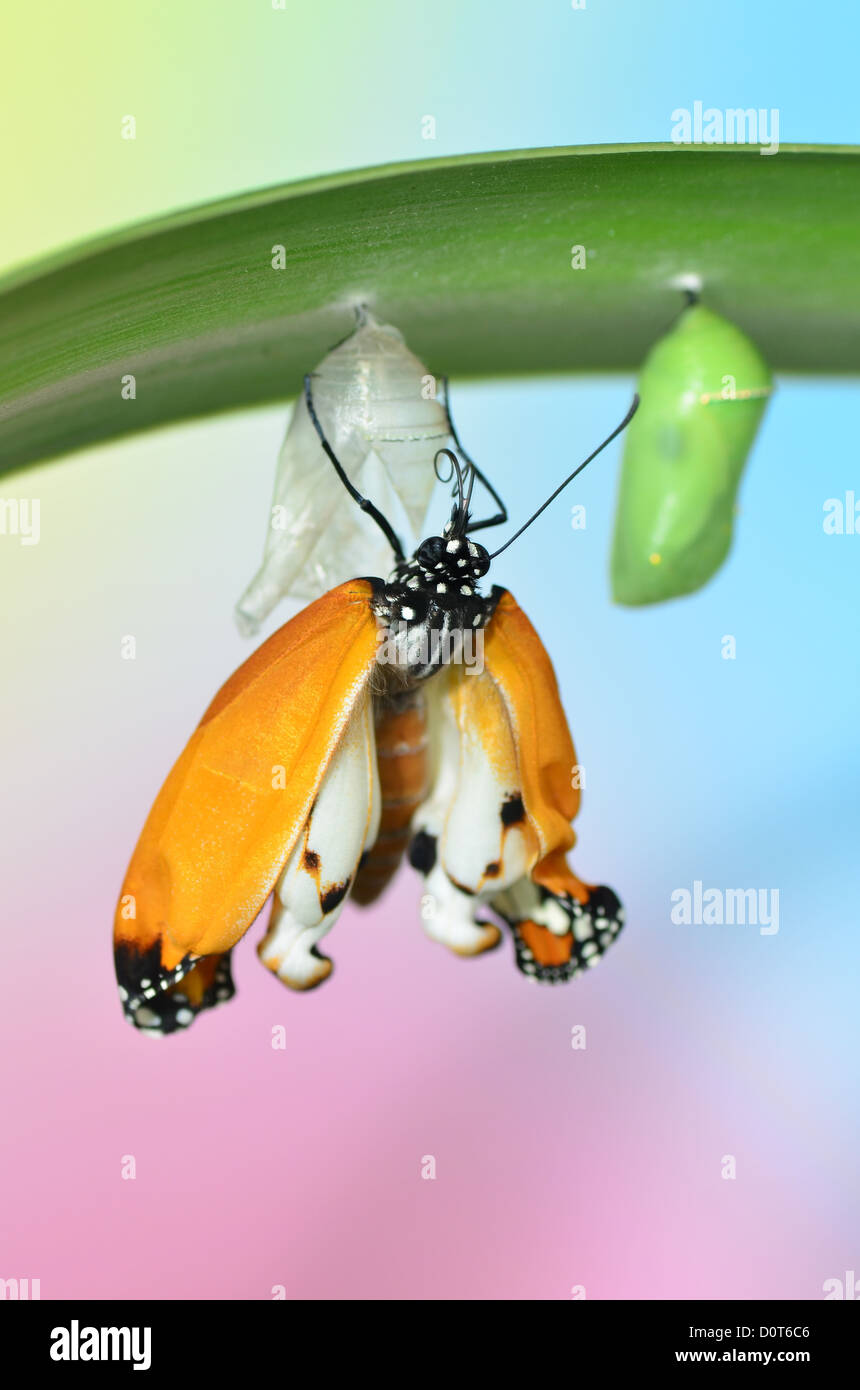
<point>364,503</point>
<point>313,887</point>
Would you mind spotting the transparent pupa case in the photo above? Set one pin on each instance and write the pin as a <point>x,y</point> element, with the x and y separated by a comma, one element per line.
<point>376,403</point>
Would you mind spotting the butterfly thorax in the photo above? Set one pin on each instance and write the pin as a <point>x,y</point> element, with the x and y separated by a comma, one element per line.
<point>431,612</point>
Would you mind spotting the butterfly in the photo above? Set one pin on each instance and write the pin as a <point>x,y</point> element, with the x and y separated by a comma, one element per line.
<point>415,716</point>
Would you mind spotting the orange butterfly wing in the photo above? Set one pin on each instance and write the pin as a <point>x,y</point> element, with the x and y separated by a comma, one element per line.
<point>516,659</point>
<point>223,825</point>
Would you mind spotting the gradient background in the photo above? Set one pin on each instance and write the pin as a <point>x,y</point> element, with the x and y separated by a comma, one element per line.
<point>555,1167</point>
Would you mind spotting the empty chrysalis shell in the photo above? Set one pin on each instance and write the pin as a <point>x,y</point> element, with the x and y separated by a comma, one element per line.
<point>704,388</point>
<point>377,406</point>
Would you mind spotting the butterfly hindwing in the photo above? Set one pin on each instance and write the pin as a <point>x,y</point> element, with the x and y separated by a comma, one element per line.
<point>466,842</point>
<point>321,870</point>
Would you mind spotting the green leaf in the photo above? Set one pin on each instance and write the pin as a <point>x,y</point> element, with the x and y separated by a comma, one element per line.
<point>470,257</point>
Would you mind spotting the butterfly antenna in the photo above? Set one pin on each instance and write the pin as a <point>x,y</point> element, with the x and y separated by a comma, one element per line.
<point>364,503</point>
<point>470,470</point>
<point>502,515</point>
<point>624,423</point>
<point>460,512</point>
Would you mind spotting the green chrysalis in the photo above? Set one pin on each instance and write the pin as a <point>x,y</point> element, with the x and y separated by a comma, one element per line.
<point>704,388</point>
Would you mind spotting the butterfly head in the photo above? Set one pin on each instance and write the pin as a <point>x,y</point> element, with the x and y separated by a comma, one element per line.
<point>452,560</point>
<point>450,564</point>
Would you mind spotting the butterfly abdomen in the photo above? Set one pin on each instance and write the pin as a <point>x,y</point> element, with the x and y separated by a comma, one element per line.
<point>401,747</point>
